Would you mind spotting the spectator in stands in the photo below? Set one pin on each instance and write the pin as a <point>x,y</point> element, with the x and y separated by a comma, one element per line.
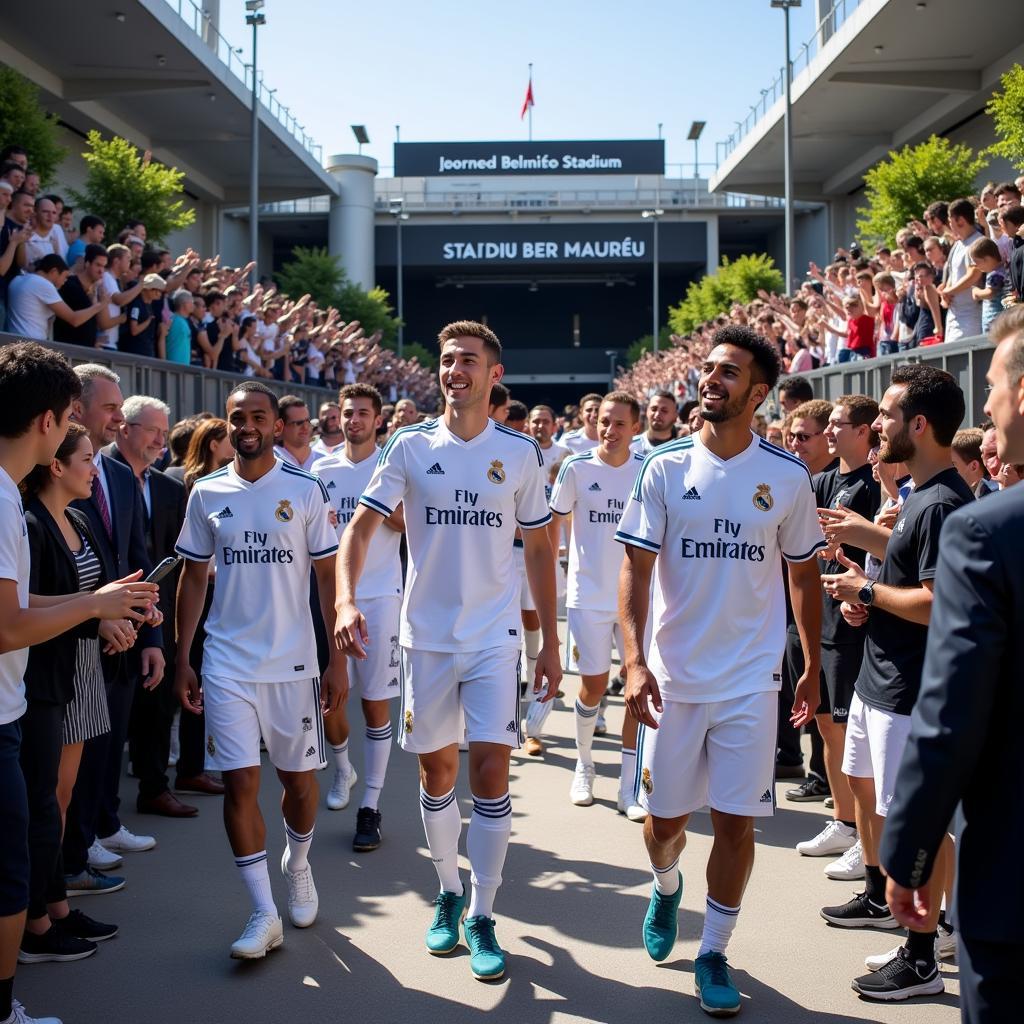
<point>994,285</point>
<point>935,252</point>
<point>16,231</point>
<point>14,154</point>
<point>120,294</point>
<point>964,317</point>
<point>177,347</point>
<point>968,461</point>
<point>929,325</point>
<point>34,300</point>
<point>936,219</point>
<point>32,182</point>
<point>67,225</point>
<point>45,238</point>
<point>91,230</point>
<point>138,332</point>
<point>80,291</point>
<point>14,174</point>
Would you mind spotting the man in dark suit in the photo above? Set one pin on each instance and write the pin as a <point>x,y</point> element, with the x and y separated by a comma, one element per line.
<point>117,517</point>
<point>964,742</point>
<point>140,440</point>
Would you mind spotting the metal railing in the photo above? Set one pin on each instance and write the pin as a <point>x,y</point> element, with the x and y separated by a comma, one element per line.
<point>199,22</point>
<point>186,389</point>
<point>827,27</point>
<point>967,360</point>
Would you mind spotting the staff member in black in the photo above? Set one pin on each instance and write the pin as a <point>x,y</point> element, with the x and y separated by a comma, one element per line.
<point>964,741</point>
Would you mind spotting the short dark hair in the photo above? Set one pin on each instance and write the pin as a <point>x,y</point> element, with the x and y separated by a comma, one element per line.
<point>90,220</point>
<point>962,208</point>
<point>8,151</point>
<point>33,380</point>
<point>662,393</point>
<point>862,410</point>
<point>1006,188</point>
<point>798,388</point>
<point>131,225</point>
<point>1013,215</point>
<point>150,258</point>
<point>517,412</point>
<point>286,402</point>
<point>622,398</point>
<point>938,210</point>
<point>923,265</point>
<point>933,394</point>
<point>764,354</point>
<point>93,252</point>
<point>545,408</point>
<point>913,242</point>
<point>985,248</point>
<point>363,391</point>
<point>471,329</point>
<point>248,387</point>
<point>591,397</point>
<point>499,395</point>
<point>212,297</point>
<point>967,444</point>
<point>51,261</point>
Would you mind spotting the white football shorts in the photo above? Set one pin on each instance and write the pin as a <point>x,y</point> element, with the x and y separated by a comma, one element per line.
<point>379,676</point>
<point>875,740</point>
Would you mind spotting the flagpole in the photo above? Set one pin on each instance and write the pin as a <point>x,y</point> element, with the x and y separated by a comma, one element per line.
<point>529,112</point>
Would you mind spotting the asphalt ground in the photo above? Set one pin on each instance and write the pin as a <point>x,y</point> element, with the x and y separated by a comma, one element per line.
<point>569,914</point>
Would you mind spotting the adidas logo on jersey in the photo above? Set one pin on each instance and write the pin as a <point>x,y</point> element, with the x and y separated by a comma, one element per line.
<point>435,470</point>
<point>331,486</point>
<point>766,796</point>
<point>511,727</point>
<point>224,513</point>
<point>691,495</point>
<point>311,752</point>
<point>595,486</point>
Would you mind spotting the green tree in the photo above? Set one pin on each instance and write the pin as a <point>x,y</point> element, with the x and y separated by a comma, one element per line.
<point>313,270</point>
<point>122,184</point>
<point>735,281</point>
<point>23,122</point>
<point>899,188</point>
<point>642,346</point>
<point>1006,109</point>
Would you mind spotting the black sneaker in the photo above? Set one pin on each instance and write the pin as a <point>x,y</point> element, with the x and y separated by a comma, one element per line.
<point>900,978</point>
<point>813,789</point>
<point>53,945</point>
<point>81,926</point>
<point>785,772</point>
<point>860,912</point>
<point>616,686</point>
<point>367,830</point>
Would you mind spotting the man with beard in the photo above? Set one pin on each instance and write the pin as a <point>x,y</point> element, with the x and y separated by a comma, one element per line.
<point>265,524</point>
<point>346,474</point>
<point>661,423</point>
<point>714,514</point>
<point>329,426</point>
<point>586,437</point>
<point>918,416</point>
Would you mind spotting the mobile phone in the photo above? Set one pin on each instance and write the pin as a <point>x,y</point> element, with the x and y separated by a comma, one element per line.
<point>163,569</point>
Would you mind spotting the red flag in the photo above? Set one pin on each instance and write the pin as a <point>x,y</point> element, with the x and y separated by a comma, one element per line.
<point>528,102</point>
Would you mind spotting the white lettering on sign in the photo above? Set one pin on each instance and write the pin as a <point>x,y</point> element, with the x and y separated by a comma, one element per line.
<point>521,162</point>
<point>611,249</point>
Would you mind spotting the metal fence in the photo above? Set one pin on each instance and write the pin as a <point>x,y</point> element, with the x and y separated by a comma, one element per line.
<point>186,389</point>
<point>967,360</point>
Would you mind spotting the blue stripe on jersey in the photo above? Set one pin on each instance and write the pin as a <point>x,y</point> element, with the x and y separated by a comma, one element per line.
<point>579,457</point>
<point>522,437</point>
<point>535,523</point>
<point>558,512</point>
<point>628,538</point>
<point>803,558</point>
<point>321,554</point>
<point>774,450</point>
<point>664,449</point>
<point>191,555</point>
<point>424,427</point>
<point>287,467</point>
<point>223,471</point>
<point>377,506</point>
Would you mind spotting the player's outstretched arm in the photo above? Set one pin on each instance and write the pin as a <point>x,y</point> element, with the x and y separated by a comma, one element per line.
<point>540,571</point>
<point>188,608</point>
<point>350,635</point>
<point>634,606</point>
<point>805,592</point>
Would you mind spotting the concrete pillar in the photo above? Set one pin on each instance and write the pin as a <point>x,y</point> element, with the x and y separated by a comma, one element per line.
<point>712,259</point>
<point>350,220</point>
<point>211,8</point>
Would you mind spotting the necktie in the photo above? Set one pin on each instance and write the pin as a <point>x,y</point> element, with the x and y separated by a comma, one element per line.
<point>101,503</point>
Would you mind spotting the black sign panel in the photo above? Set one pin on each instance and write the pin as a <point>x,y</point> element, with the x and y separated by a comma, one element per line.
<point>543,245</point>
<point>476,159</point>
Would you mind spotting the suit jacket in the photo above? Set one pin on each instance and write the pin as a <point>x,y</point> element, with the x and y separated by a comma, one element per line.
<point>50,673</point>
<point>163,524</point>
<point>965,730</point>
<point>128,550</point>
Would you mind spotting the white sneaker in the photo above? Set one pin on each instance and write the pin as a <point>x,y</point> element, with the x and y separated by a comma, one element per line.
<point>263,932</point>
<point>303,901</point>
<point>849,866</point>
<point>340,792</point>
<point>835,837</point>
<point>630,808</point>
<point>876,963</point>
<point>103,859</point>
<point>581,792</point>
<point>945,949</point>
<point>127,842</point>
<point>600,726</point>
<point>19,1016</point>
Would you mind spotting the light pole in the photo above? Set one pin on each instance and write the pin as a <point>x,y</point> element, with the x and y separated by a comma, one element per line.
<point>695,129</point>
<point>399,214</point>
<point>787,78</point>
<point>611,353</point>
<point>255,19</point>
<point>656,214</point>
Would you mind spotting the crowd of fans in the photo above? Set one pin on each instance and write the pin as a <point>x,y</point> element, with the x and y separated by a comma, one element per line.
<point>944,277</point>
<point>64,277</point>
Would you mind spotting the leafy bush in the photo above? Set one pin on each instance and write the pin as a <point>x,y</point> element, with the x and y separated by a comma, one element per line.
<point>735,281</point>
<point>1006,109</point>
<point>23,122</point>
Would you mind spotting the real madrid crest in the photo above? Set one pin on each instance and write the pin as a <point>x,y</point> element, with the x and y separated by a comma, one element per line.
<point>763,500</point>
<point>575,653</point>
<point>211,747</point>
<point>408,721</point>
<point>496,473</point>
<point>283,513</point>
<point>646,781</point>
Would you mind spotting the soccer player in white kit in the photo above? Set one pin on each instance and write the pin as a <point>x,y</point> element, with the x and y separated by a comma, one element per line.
<point>466,483</point>
<point>712,515</point>
<point>345,475</point>
<point>586,437</point>
<point>264,523</point>
<point>590,493</point>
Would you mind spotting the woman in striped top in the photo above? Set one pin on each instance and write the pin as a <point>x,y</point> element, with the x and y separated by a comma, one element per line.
<point>65,691</point>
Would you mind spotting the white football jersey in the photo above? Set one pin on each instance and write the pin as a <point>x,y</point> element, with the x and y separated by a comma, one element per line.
<point>463,501</point>
<point>263,537</point>
<point>595,494</point>
<point>720,529</point>
<point>345,482</point>
<point>577,441</point>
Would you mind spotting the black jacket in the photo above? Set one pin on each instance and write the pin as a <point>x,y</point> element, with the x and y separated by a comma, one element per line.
<point>50,673</point>
<point>965,730</point>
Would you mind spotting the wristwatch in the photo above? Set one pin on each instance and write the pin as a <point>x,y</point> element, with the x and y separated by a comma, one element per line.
<point>866,594</point>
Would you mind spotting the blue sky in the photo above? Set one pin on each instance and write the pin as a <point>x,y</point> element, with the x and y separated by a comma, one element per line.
<point>453,70</point>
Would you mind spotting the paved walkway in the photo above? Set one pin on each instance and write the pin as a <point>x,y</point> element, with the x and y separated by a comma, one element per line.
<point>569,915</point>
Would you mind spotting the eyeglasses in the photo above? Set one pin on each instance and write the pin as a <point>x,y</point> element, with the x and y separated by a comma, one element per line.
<point>804,438</point>
<point>841,423</point>
<point>297,423</point>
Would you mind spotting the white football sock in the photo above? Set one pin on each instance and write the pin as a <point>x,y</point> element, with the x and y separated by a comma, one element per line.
<point>666,880</point>
<point>627,777</point>
<point>719,921</point>
<point>487,843</point>
<point>442,824</point>
<point>531,646</point>
<point>298,848</point>
<point>256,876</point>
<point>376,752</point>
<point>586,720</point>
<point>340,757</point>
